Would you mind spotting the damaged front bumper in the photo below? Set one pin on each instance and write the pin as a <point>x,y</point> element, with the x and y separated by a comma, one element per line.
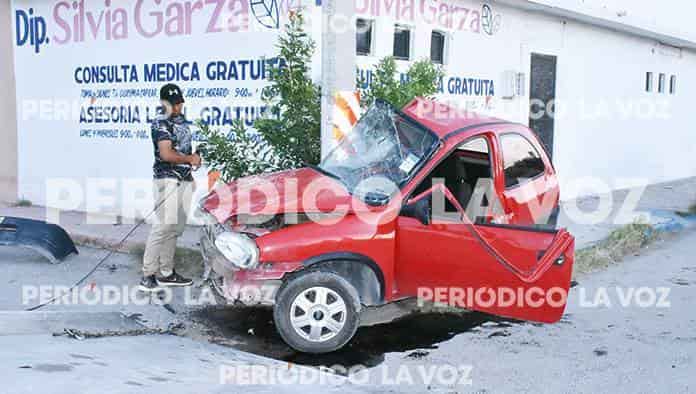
<point>247,286</point>
<point>212,256</point>
<point>47,239</point>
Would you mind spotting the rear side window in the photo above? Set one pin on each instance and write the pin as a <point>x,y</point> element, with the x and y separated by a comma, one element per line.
<point>520,159</point>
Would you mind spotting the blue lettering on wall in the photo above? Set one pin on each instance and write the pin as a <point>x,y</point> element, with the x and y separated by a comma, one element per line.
<point>30,29</point>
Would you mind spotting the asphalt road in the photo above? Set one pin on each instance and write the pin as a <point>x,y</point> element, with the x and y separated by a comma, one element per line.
<point>647,345</point>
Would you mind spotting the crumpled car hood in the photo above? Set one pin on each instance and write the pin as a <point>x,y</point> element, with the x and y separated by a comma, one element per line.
<point>293,191</point>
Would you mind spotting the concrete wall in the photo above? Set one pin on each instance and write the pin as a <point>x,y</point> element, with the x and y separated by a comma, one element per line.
<point>8,112</point>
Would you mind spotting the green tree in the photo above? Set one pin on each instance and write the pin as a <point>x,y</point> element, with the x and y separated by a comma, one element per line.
<point>237,154</point>
<point>290,136</point>
<point>294,129</point>
<point>421,80</point>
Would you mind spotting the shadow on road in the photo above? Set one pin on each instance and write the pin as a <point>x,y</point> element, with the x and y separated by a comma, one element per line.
<point>252,330</point>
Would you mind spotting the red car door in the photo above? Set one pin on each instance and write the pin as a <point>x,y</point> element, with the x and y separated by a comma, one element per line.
<point>511,271</point>
<point>526,178</point>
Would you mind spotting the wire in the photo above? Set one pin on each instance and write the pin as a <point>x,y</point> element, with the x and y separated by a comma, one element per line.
<point>110,253</point>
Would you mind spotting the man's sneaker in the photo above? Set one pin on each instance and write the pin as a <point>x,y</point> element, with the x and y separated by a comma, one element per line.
<point>174,280</point>
<point>149,284</point>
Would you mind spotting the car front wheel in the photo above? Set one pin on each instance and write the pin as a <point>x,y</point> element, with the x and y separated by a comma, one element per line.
<point>317,312</point>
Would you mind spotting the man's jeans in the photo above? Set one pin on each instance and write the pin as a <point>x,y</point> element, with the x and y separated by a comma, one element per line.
<point>170,222</point>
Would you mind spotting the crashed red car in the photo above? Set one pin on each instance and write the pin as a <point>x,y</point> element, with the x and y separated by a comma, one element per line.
<point>424,202</point>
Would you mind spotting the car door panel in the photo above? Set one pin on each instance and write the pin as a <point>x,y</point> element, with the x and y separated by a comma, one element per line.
<point>535,265</point>
<point>532,202</point>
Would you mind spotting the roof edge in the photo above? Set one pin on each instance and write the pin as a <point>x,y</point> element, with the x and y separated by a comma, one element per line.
<point>600,22</point>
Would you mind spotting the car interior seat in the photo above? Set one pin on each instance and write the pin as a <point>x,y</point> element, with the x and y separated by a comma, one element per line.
<point>463,190</point>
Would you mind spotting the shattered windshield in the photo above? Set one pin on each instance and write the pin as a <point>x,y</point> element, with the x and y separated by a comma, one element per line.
<point>380,153</point>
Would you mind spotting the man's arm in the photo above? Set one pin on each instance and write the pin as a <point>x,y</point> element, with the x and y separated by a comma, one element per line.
<point>168,154</point>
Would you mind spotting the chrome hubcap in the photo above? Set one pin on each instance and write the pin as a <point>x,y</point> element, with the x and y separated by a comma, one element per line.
<point>318,314</point>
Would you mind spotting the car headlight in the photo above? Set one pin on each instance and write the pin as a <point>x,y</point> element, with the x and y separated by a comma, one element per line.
<point>239,249</point>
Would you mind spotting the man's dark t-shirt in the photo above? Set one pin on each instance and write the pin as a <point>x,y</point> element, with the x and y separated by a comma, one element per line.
<point>176,130</point>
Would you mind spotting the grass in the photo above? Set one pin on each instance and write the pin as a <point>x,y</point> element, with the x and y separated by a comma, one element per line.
<point>23,202</point>
<point>621,242</point>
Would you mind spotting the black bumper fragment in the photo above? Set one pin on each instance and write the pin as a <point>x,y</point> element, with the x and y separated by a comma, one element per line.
<point>48,239</point>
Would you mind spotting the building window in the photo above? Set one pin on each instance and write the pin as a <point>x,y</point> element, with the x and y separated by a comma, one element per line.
<point>661,83</point>
<point>673,85</point>
<point>437,47</point>
<point>649,82</point>
<point>402,42</point>
<point>364,29</point>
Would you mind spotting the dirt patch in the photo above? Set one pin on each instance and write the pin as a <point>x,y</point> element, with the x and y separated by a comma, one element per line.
<point>622,242</point>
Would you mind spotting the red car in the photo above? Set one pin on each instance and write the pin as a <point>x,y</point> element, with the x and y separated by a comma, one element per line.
<point>425,202</point>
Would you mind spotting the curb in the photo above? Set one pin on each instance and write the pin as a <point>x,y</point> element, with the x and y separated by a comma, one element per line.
<point>127,247</point>
<point>671,222</point>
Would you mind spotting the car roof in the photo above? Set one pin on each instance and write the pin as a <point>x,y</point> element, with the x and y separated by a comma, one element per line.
<point>446,120</point>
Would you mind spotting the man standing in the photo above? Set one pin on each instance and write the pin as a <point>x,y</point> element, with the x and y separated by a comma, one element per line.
<point>174,163</point>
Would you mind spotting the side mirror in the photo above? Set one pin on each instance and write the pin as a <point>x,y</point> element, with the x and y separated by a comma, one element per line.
<point>419,210</point>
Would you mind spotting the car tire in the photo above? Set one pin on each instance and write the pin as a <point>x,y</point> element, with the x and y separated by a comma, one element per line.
<point>317,312</point>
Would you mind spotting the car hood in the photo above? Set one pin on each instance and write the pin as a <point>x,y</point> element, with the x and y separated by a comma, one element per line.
<point>293,191</point>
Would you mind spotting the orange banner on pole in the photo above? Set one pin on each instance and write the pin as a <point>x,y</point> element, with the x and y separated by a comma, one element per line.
<point>346,113</point>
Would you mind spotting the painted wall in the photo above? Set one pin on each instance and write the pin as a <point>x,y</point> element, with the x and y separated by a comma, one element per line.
<point>88,82</point>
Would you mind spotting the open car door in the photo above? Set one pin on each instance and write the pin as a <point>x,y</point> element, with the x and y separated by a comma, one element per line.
<point>516,272</point>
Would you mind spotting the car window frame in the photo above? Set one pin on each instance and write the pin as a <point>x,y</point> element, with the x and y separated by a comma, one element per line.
<point>502,161</point>
<point>489,142</point>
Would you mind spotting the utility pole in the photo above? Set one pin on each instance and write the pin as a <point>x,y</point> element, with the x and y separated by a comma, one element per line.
<point>338,61</point>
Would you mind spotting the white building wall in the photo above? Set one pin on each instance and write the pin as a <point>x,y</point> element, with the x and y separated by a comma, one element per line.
<point>607,126</point>
<point>623,133</point>
<point>595,65</point>
<point>672,17</point>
